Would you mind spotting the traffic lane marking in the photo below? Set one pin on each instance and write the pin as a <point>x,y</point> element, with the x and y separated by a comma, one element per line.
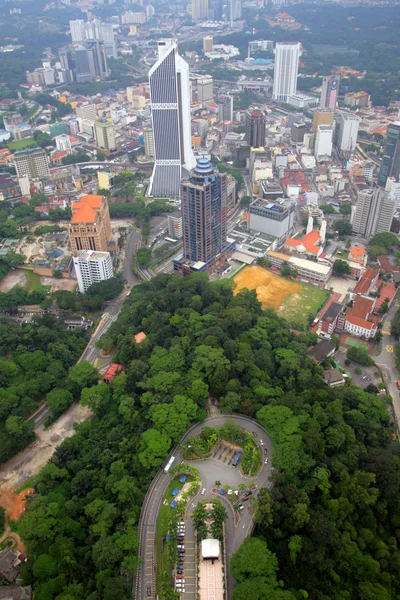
<point>389,348</point>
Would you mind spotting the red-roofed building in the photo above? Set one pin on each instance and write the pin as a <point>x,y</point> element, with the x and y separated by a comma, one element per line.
<point>306,245</point>
<point>113,370</point>
<point>367,282</point>
<point>90,227</point>
<point>387,291</point>
<point>357,254</point>
<point>139,337</point>
<point>358,321</point>
<point>284,18</point>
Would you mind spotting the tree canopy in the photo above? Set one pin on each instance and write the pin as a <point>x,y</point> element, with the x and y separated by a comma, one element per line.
<point>330,519</point>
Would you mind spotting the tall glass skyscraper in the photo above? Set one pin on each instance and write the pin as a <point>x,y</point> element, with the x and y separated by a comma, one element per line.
<point>390,166</point>
<point>203,196</point>
<point>170,113</point>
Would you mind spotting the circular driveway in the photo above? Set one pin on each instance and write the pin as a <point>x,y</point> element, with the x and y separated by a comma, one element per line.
<point>210,470</point>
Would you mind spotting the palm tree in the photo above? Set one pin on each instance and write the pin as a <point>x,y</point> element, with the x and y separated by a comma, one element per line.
<point>218,483</point>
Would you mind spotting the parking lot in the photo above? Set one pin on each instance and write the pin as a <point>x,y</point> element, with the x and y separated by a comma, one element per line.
<point>224,454</point>
<point>189,568</point>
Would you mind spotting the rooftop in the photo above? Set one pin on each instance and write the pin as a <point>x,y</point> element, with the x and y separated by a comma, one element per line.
<point>309,242</point>
<point>85,210</point>
<point>364,284</point>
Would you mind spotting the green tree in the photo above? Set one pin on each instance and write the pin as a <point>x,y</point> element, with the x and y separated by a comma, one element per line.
<point>154,448</point>
<point>359,355</point>
<point>345,209</point>
<point>45,567</point>
<point>59,400</point>
<point>253,559</point>
<point>82,375</point>
<point>341,267</point>
<point>342,227</point>
<point>328,209</point>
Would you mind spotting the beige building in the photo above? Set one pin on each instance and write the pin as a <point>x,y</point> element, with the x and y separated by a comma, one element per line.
<point>90,227</point>
<point>322,116</point>
<point>207,43</point>
<point>104,134</point>
<point>86,111</point>
<point>33,163</point>
<point>148,142</point>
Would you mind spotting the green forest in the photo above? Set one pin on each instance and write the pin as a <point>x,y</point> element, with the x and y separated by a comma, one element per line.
<point>37,362</point>
<point>330,526</point>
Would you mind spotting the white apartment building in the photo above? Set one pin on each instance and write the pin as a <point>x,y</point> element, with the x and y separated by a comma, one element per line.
<point>287,56</point>
<point>323,142</point>
<point>78,32</point>
<point>373,212</point>
<point>86,111</point>
<point>91,267</point>
<point>63,142</point>
<point>348,131</point>
<point>204,89</point>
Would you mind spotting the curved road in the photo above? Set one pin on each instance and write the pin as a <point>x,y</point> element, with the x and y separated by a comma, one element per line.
<point>210,471</point>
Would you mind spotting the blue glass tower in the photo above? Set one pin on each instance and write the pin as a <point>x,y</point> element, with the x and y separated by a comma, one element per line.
<point>203,196</point>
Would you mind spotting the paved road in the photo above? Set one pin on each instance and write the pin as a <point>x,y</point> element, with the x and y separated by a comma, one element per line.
<point>210,471</point>
<point>386,360</point>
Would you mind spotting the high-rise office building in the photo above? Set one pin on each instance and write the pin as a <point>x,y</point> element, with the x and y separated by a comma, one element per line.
<point>83,73</point>
<point>66,59</point>
<point>205,89</point>
<point>297,132</point>
<point>390,166</point>
<point>322,116</point>
<point>272,218</point>
<point>225,108</point>
<point>92,267</point>
<point>104,134</point>
<point>374,212</point>
<point>148,142</point>
<point>215,10</point>
<point>255,128</point>
<point>90,226</point>
<point>235,10</point>
<point>330,91</point>
<point>203,196</point>
<point>323,142</point>
<point>97,59</point>
<point>207,43</point>
<point>86,111</point>
<point>287,56</point>
<point>33,162</point>
<point>78,33</point>
<point>108,37</point>
<point>170,113</point>
<point>199,10</point>
<point>347,132</point>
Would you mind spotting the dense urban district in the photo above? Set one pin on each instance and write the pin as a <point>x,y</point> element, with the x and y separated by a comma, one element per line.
<point>199,306</point>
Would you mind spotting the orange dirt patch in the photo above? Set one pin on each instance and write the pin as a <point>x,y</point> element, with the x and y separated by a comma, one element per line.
<point>12,503</point>
<point>271,289</point>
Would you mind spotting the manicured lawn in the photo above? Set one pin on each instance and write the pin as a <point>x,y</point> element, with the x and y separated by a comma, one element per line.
<point>32,281</point>
<point>21,144</point>
<point>296,307</point>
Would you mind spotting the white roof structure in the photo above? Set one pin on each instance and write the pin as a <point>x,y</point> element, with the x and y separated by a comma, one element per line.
<point>209,548</point>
